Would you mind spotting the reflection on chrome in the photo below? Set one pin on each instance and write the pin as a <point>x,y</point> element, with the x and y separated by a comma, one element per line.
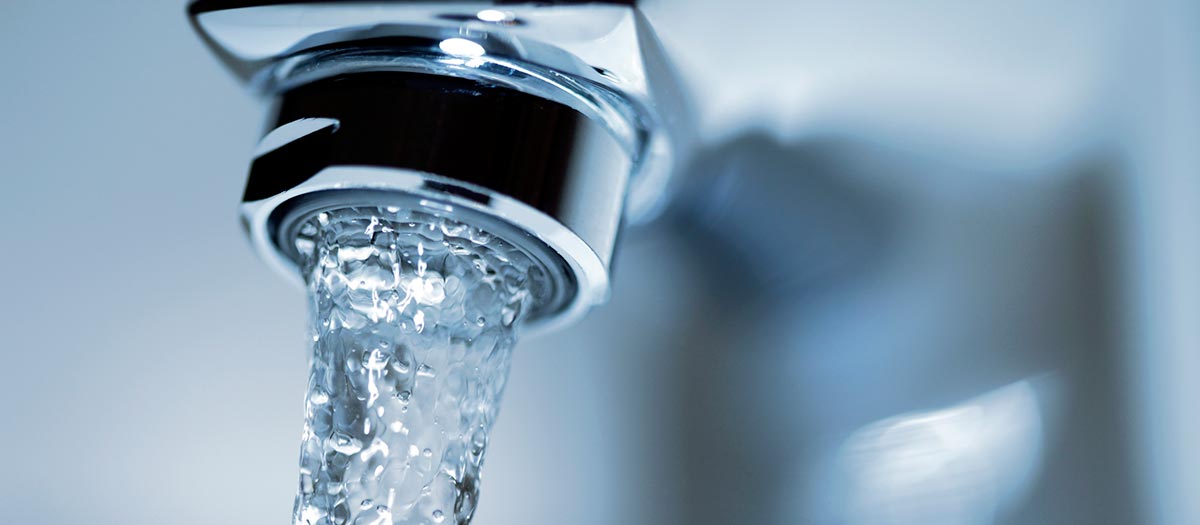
<point>962,465</point>
<point>461,47</point>
<point>493,15</point>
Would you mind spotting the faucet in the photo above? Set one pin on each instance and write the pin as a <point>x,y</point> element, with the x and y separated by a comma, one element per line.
<point>550,124</point>
<point>545,126</point>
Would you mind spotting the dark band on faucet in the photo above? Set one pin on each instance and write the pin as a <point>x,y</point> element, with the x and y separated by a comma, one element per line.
<point>496,138</point>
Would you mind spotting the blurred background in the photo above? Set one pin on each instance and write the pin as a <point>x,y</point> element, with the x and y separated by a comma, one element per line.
<point>932,263</point>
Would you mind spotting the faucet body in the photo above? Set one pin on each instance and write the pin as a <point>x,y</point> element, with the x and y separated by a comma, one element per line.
<point>552,123</point>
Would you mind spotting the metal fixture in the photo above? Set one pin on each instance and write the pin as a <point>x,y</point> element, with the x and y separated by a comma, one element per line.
<point>550,124</point>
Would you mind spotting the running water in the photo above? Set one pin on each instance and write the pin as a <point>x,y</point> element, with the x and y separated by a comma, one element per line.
<point>413,319</point>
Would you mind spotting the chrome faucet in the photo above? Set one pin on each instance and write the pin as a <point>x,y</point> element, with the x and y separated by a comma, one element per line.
<point>551,123</point>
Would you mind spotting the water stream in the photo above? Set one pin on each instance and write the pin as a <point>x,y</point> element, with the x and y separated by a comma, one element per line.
<point>413,320</point>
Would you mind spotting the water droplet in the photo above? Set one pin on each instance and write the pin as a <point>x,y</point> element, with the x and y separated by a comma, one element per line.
<point>400,366</point>
<point>429,289</point>
<point>340,514</point>
<point>426,371</point>
<point>374,360</point>
<point>438,516</point>
<point>345,444</point>
<point>419,321</point>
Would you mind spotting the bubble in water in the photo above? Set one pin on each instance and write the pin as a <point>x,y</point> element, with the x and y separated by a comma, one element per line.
<point>374,360</point>
<point>428,289</point>
<point>414,317</point>
<point>345,444</point>
<point>401,367</point>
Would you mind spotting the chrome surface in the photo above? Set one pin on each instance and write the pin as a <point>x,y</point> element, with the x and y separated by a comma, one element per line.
<point>534,171</point>
<point>603,120</point>
<point>601,49</point>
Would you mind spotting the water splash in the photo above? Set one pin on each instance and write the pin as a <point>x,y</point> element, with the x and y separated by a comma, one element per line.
<point>413,320</point>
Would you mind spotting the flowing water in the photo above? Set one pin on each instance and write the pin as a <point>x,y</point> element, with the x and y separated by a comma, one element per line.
<point>413,319</point>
